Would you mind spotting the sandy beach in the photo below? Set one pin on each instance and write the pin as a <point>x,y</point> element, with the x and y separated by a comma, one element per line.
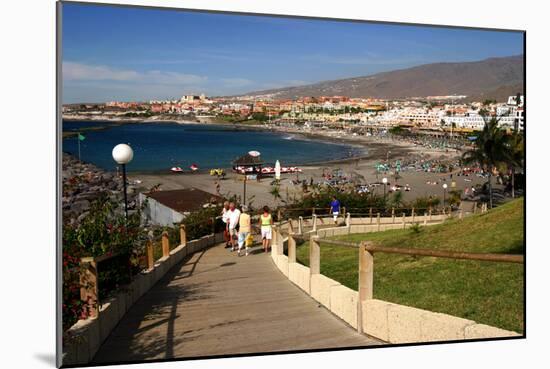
<point>370,151</point>
<point>377,150</point>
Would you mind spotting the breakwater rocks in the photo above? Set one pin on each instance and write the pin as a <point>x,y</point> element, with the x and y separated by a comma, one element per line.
<point>83,183</point>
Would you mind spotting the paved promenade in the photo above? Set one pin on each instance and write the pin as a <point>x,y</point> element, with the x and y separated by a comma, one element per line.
<point>219,304</point>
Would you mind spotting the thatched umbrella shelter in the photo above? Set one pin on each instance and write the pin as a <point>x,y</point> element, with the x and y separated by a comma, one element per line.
<point>250,163</point>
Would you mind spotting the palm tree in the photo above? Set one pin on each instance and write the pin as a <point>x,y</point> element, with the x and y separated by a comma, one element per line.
<point>489,151</point>
<point>515,155</point>
<point>397,199</point>
<point>275,191</point>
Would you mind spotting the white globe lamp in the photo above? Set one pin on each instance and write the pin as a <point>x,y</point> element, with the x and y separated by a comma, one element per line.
<point>123,154</point>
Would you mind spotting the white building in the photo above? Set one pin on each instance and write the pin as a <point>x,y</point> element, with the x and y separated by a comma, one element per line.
<point>417,116</point>
<point>193,98</point>
<point>507,116</point>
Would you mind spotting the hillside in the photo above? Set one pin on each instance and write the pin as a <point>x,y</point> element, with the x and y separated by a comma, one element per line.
<point>480,78</point>
<point>487,292</point>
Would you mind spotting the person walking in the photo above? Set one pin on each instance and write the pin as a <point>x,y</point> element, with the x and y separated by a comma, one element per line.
<point>225,220</point>
<point>244,229</point>
<point>335,208</point>
<point>233,217</point>
<point>266,223</point>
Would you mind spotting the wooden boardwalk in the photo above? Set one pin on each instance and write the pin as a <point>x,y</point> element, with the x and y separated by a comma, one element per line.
<point>216,303</point>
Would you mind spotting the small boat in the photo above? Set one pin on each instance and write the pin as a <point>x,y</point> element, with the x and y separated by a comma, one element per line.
<point>176,170</point>
<point>194,167</point>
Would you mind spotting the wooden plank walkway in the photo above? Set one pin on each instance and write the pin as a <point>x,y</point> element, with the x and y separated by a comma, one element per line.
<point>216,303</point>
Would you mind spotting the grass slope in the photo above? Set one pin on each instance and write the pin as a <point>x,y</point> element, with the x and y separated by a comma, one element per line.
<point>487,292</point>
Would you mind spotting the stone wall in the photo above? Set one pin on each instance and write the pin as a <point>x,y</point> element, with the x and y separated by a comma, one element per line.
<point>396,323</point>
<point>87,335</point>
<point>384,320</point>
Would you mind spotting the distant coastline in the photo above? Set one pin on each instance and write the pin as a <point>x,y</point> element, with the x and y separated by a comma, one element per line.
<point>368,149</point>
<point>113,122</point>
<point>348,150</point>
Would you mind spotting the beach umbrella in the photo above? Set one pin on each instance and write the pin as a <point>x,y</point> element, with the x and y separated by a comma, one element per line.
<point>277,170</point>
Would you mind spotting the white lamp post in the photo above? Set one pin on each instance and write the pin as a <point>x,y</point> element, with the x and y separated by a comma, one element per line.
<point>385,182</point>
<point>444,193</point>
<point>123,154</point>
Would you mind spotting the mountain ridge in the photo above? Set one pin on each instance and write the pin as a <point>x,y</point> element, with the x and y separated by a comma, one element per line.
<point>485,77</point>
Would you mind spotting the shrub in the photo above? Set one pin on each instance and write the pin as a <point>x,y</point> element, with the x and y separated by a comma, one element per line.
<point>415,228</point>
<point>425,202</point>
<point>104,230</point>
<point>200,223</point>
<point>322,198</point>
<point>454,198</point>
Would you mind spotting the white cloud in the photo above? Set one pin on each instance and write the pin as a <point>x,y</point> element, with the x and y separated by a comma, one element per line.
<point>173,78</point>
<point>284,83</point>
<point>76,71</point>
<point>73,71</point>
<point>236,82</point>
<point>95,83</point>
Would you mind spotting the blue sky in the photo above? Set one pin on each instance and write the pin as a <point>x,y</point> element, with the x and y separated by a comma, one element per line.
<point>121,53</point>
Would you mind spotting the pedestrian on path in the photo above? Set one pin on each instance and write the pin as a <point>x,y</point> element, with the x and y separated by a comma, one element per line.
<point>233,217</point>
<point>335,208</point>
<point>244,229</point>
<point>266,223</point>
<point>225,219</point>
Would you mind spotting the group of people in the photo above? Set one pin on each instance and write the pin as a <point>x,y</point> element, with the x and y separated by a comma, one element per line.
<point>238,228</point>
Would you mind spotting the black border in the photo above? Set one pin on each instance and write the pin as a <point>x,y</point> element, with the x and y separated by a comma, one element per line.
<point>59,96</point>
<point>58,186</point>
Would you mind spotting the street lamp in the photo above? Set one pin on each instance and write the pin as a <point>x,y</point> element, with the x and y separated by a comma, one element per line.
<point>444,193</point>
<point>384,181</point>
<point>123,154</point>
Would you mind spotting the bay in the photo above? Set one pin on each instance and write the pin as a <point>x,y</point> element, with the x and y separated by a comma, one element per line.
<point>160,146</point>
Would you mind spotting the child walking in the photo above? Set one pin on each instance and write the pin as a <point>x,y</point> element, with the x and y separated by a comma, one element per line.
<point>244,230</point>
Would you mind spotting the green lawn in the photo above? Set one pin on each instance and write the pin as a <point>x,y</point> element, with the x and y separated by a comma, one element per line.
<point>487,292</point>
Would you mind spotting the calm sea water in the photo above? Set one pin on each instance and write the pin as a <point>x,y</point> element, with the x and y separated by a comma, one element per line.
<point>160,146</point>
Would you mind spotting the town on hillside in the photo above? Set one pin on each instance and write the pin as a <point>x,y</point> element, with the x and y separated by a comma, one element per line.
<point>356,116</point>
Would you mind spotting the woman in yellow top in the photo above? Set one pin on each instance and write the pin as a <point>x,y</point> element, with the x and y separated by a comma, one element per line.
<point>244,229</point>
<point>265,225</point>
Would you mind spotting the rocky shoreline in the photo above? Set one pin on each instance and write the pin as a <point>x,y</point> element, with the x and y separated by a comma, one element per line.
<point>83,183</point>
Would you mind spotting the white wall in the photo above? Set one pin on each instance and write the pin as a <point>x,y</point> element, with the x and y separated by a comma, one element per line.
<point>159,214</point>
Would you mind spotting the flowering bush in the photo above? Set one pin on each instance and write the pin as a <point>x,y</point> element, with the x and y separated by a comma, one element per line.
<point>72,305</point>
<point>103,231</point>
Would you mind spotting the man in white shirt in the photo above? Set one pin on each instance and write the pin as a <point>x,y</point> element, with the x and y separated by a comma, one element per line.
<point>225,219</point>
<point>233,217</point>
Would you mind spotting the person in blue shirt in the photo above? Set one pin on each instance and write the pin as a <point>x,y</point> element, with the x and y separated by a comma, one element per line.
<point>335,208</point>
